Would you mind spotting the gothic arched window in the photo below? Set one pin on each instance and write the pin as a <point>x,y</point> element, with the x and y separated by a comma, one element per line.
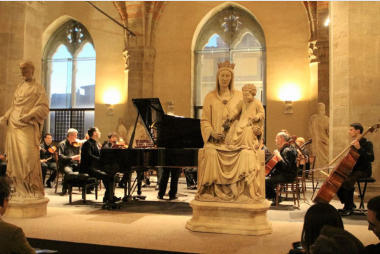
<point>69,73</point>
<point>234,35</point>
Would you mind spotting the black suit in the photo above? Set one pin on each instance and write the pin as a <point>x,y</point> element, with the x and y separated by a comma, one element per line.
<point>90,164</point>
<point>285,170</point>
<point>362,168</point>
<point>50,164</point>
<point>66,164</point>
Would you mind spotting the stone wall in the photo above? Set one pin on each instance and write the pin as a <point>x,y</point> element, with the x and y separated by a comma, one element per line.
<point>286,30</point>
<point>354,73</point>
<point>25,29</point>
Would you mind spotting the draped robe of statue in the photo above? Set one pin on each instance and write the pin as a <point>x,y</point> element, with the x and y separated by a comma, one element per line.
<point>228,171</point>
<point>319,132</point>
<point>23,139</point>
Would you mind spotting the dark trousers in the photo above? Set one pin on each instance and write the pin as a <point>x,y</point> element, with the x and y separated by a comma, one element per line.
<point>346,191</point>
<point>70,171</point>
<point>108,181</point>
<point>174,176</point>
<point>52,166</point>
<point>159,175</point>
<point>271,183</point>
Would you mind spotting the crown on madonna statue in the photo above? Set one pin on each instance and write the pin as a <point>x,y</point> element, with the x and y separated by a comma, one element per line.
<point>226,64</point>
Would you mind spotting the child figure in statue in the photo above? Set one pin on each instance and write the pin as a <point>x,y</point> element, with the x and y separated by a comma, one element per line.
<point>248,130</point>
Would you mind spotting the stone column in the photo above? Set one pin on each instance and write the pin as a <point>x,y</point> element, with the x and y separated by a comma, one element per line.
<point>139,73</point>
<point>354,73</point>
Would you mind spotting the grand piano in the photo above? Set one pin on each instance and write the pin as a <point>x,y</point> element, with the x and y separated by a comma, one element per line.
<point>176,141</point>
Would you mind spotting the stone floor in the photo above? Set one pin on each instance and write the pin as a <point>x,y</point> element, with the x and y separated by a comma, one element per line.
<point>160,224</point>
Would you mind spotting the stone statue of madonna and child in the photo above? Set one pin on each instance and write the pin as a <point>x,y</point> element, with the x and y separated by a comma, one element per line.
<point>231,188</point>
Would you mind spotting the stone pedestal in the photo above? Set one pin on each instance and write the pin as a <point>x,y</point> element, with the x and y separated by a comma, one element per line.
<point>28,208</point>
<point>230,218</point>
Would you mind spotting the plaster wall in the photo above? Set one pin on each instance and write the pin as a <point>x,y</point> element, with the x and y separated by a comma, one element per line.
<point>355,76</point>
<point>286,30</point>
<point>25,29</point>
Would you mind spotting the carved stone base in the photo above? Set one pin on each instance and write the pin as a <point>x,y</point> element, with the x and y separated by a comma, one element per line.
<point>230,218</point>
<point>28,208</point>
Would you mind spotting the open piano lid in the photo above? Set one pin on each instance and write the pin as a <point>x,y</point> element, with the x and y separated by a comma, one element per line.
<point>170,131</point>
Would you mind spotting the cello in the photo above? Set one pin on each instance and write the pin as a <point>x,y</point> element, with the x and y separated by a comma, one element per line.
<point>339,174</point>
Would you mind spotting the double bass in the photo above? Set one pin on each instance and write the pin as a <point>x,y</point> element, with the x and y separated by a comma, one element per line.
<point>339,174</point>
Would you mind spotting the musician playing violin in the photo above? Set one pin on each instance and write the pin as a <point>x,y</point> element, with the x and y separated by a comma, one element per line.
<point>362,168</point>
<point>285,170</point>
<point>47,159</point>
<point>69,157</point>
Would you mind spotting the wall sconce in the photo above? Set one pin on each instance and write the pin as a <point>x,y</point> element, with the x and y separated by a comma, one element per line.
<point>110,98</point>
<point>288,107</point>
<point>289,93</point>
<point>110,110</point>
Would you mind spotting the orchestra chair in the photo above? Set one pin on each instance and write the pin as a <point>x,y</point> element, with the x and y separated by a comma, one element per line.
<point>59,175</point>
<point>292,188</point>
<point>301,182</point>
<point>84,182</point>
<point>311,174</point>
<point>363,189</point>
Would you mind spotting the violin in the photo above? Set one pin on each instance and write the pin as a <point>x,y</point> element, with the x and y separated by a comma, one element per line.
<point>51,149</point>
<point>339,174</point>
<point>76,144</point>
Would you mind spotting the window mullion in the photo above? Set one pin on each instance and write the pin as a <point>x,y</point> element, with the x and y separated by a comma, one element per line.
<point>73,83</point>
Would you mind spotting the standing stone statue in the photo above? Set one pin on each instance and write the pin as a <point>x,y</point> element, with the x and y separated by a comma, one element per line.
<point>319,132</point>
<point>24,121</point>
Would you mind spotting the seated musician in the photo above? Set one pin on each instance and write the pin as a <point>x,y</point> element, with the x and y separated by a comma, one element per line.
<point>111,142</point>
<point>302,156</point>
<point>47,159</point>
<point>69,157</point>
<point>362,168</point>
<point>286,169</point>
<point>90,164</point>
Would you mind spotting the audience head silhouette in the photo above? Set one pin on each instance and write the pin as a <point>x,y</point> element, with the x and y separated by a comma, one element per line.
<point>317,216</point>
<point>332,240</point>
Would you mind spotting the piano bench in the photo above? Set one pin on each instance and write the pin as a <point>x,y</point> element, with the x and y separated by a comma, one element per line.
<point>85,182</point>
<point>362,192</point>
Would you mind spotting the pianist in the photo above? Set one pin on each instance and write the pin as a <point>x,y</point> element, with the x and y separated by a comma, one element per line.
<point>90,164</point>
